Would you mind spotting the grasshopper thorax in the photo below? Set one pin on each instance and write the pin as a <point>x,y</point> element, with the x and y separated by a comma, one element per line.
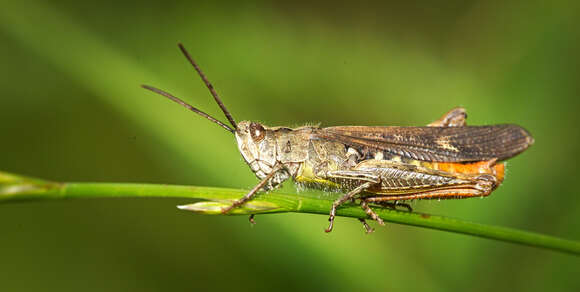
<point>257,144</point>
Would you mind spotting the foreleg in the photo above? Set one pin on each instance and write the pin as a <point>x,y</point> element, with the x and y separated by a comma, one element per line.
<point>252,193</point>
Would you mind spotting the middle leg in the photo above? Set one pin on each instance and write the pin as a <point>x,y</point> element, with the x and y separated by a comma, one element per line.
<point>343,199</point>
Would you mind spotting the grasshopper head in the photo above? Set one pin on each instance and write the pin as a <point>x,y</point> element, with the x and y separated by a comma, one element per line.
<point>257,144</point>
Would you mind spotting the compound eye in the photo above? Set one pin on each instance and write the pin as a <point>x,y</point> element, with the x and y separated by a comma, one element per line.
<point>257,132</point>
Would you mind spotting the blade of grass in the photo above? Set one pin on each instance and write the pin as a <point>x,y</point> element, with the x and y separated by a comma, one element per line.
<point>18,188</point>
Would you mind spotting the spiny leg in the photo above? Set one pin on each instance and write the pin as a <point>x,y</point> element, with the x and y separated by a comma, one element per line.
<point>454,118</point>
<point>465,192</point>
<point>342,200</point>
<point>395,204</point>
<point>368,229</point>
<point>374,215</point>
<point>364,204</point>
<point>252,192</point>
<point>364,177</point>
<point>482,186</point>
<point>366,226</point>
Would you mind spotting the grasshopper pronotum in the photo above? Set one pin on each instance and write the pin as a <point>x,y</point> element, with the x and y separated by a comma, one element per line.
<point>375,166</point>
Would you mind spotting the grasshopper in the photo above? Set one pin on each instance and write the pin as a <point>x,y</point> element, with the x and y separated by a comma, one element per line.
<point>374,166</point>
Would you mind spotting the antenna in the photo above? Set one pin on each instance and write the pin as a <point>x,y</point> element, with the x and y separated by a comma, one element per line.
<point>209,86</point>
<point>188,106</point>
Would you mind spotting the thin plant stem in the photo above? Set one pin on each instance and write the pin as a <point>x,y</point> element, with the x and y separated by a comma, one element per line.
<point>210,200</point>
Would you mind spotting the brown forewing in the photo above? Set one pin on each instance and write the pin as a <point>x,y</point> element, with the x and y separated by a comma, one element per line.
<point>445,144</point>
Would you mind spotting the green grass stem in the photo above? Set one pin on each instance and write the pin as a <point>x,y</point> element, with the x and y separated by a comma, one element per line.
<point>210,200</point>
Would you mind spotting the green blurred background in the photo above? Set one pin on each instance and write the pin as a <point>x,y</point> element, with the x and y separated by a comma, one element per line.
<point>71,110</point>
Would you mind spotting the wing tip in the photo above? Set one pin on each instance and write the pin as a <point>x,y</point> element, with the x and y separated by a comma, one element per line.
<point>529,140</point>
<point>521,141</point>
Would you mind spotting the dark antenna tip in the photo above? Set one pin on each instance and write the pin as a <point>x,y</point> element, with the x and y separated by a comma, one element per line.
<point>209,86</point>
<point>188,106</point>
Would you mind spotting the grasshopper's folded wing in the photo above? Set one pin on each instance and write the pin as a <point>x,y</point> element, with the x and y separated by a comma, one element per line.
<point>444,144</point>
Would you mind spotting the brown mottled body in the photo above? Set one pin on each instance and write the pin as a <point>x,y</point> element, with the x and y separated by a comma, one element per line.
<point>374,165</point>
<point>385,165</point>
